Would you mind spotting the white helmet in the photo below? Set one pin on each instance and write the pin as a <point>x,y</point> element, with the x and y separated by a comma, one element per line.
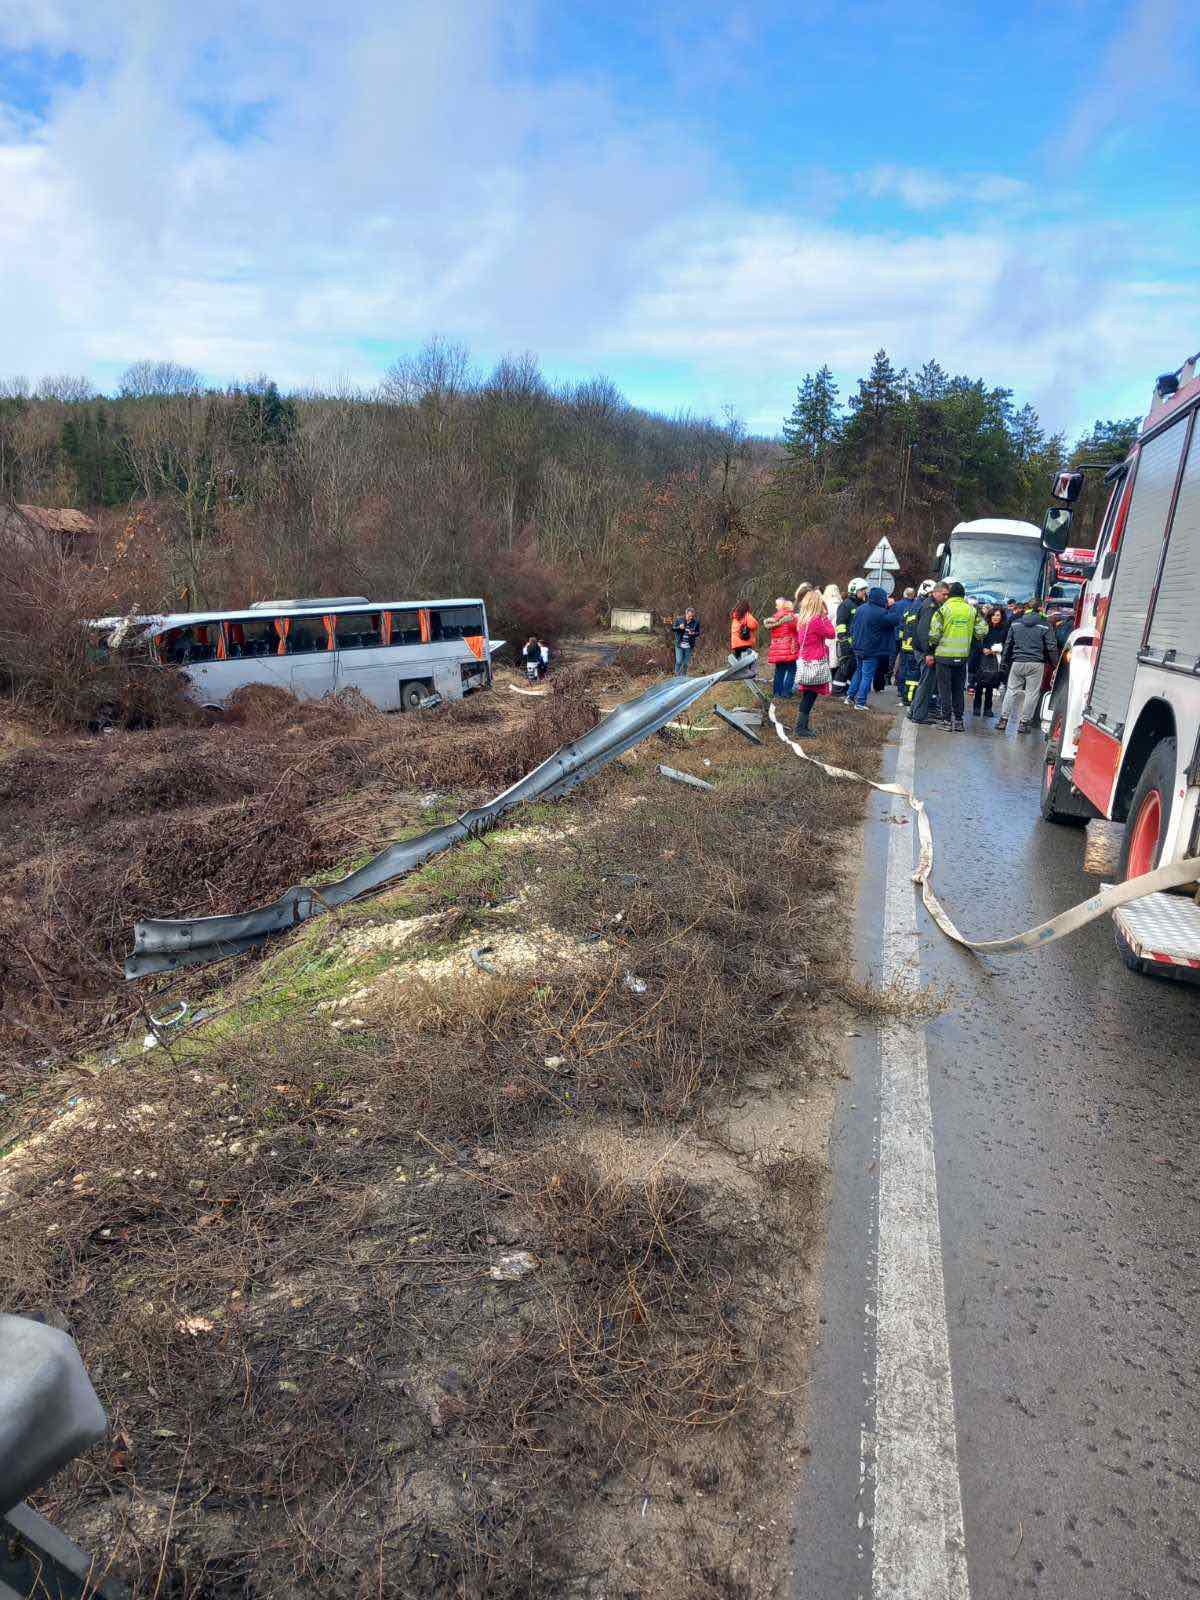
<point>856,585</point>
<point>926,586</point>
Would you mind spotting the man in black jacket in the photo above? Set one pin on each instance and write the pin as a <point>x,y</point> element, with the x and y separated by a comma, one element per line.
<point>924,706</point>
<point>1030,644</point>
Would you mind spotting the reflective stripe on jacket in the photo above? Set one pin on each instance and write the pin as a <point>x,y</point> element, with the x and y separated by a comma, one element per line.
<point>955,627</point>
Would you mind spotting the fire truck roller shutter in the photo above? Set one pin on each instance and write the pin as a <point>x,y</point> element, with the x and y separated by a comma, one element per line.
<point>1176,621</point>
<point>1137,565</point>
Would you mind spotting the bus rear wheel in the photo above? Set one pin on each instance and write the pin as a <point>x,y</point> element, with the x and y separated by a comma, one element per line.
<point>411,695</point>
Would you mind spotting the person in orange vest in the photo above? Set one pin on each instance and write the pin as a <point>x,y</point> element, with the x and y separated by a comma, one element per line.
<point>743,630</point>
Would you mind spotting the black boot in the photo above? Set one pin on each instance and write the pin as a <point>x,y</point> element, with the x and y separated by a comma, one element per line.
<point>803,731</point>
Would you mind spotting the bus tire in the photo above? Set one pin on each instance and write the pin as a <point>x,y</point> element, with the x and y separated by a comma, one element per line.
<point>411,695</point>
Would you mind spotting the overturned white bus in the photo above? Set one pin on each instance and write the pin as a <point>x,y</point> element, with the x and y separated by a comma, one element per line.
<point>394,652</point>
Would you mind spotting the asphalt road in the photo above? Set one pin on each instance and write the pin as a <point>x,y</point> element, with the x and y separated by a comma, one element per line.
<point>1063,1106</point>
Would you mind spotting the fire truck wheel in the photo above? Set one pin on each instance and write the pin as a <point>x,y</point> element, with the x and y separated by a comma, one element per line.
<point>1060,802</point>
<point>1149,813</point>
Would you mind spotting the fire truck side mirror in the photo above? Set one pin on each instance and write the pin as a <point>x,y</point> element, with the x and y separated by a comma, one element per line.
<point>1068,486</point>
<point>1056,529</point>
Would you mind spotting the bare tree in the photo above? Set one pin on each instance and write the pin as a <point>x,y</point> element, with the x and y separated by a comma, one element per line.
<point>148,379</point>
<point>64,387</point>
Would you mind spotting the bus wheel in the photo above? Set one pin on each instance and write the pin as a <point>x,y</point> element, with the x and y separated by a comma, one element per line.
<point>411,695</point>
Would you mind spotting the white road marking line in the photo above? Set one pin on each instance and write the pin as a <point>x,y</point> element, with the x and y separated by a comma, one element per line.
<point>919,1547</point>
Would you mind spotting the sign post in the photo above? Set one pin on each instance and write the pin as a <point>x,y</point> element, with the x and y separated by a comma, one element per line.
<point>880,565</point>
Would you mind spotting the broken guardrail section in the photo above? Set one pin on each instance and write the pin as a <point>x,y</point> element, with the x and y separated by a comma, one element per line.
<point>163,944</point>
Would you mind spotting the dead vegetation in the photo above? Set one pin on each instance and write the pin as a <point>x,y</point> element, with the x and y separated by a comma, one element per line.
<point>96,832</point>
<point>476,1298</point>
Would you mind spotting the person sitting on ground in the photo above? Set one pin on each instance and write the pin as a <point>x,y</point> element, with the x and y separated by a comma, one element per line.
<point>686,630</point>
<point>814,632</point>
<point>784,647</point>
<point>743,630</point>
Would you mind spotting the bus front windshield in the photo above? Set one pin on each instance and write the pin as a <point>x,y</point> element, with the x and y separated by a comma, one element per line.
<point>995,569</point>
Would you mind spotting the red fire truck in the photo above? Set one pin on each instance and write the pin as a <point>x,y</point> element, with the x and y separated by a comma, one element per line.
<point>1123,713</point>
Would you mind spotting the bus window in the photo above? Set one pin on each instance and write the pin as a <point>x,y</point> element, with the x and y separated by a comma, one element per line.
<point>197,642</point>
<point>305,635</point>
<point>406,627</point>
<point>455,622</point>
<point>257,636</point>
<point>359,630</point>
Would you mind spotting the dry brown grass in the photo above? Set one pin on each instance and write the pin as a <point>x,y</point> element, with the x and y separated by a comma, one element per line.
<point>274,1241</point>
<point>97,832</point>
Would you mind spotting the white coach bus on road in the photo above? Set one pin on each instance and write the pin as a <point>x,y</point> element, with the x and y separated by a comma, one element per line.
<point>394,652</point>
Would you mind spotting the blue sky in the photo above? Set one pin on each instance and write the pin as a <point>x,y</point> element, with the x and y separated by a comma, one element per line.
<point>702,201</point>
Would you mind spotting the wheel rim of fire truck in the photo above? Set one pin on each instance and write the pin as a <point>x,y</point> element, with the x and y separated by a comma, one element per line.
<point>1143,844</point>
<point>1050,767</point>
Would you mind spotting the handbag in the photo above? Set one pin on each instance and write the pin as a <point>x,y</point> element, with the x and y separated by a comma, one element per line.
<point>812,674</point>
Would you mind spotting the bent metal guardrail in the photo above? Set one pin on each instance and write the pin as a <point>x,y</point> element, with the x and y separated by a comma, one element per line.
<point>162,944</point>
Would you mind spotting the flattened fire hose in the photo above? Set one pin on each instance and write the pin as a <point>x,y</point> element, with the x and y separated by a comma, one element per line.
<point>1069,921</point>
<point>162,944</point>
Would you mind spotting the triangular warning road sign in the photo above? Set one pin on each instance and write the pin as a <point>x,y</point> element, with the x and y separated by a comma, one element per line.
<point>882,557</point>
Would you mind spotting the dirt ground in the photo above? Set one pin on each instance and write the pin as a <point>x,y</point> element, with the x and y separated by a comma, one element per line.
<point>469,1248</point>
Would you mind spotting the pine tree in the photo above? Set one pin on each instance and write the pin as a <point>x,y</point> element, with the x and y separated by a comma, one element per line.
<point>813,427</point>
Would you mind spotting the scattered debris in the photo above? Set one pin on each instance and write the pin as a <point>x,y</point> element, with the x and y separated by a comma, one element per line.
<point>683,777</point>
<point>513,1265</point>
<point>746,731</point>
<point>634,985</point>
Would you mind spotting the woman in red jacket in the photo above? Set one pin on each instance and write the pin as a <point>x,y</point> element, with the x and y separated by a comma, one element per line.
<point>784,647</point>
<point>813,632</point>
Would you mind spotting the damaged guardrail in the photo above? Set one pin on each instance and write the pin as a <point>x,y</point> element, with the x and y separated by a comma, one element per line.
<point>162,944</point>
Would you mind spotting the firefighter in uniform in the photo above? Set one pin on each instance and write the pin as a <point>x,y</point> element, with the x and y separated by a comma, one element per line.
<point>856,593</point>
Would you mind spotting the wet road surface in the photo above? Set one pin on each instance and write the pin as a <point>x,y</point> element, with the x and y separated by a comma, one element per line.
<point>1064,1106</point>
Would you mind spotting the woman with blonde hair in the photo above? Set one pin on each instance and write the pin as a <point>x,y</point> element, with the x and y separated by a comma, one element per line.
<point>813,674</point>
<point>801,591</point>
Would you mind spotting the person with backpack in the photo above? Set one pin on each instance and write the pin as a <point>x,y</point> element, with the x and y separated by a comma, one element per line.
<point>743,630</point>
<point>953,630</point>
<point>1029,647</point>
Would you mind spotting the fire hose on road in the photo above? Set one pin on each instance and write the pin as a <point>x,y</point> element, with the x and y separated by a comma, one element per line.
<point>1075,917</point>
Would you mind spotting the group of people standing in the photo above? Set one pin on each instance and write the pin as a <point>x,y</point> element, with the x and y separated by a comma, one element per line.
<point>932,642</point>
<point>954,645</point>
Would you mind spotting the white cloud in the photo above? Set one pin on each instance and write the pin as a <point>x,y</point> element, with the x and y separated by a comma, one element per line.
<point>407,174</point>
<point>1142,73</point>
<point>922,190</point>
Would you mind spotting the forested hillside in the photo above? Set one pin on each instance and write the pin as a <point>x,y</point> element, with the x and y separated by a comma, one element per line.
<point>554,502</point>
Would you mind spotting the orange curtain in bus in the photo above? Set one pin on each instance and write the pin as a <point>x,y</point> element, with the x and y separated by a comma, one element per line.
<point>474,643</point>
<point>385,627</point>
<point>423,617</point>
<point>222,651</point>
<point>283,626</point>
<point>330,627</point>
